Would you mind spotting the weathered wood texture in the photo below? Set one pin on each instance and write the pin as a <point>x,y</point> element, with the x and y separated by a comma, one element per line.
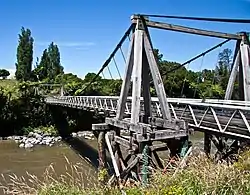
<point>184,29</point>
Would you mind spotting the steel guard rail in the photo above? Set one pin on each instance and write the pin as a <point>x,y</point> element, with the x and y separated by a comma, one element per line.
<point>228,117</point>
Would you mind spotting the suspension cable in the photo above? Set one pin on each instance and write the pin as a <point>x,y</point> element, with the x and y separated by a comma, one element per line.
<point>109,72</point>
<point>228,20</point>
<point>117,67</point>
<point>213,82</point>
<point>184,82</point>
<point>123,56</point>
<point>103,75</point>
<point>106,63</point>
<point>202,59</point>
<point>170,91</point>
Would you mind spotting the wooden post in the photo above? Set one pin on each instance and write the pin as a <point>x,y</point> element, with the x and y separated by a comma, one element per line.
<point>146,88</point>
<point>136,90</point>
<point>245,58</point>
<point>101,150</point>
<point>126,81</point>
<point>207,144</point>
<point>61,91</point>
<point>242,61</point>
<point>117,172</point>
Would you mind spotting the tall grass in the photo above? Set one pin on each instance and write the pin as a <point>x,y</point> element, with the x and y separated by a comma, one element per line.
<point>200,176</point>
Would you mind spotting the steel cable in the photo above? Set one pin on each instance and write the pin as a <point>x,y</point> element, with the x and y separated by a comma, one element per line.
<point>117,67</point>
<point>106,63</point>
<point>226,20</point>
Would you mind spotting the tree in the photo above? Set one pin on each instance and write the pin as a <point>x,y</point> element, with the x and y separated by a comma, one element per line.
<point>88,77</point>
<point>54,67</point>
<point>222,70</point>
<point>42,68</point>
<point>4,73</point>
<point>50,65</point>
<point>24,55</point>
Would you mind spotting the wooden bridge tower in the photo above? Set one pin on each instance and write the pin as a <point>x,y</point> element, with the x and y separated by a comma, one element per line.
<point>144,128</point>
<point>240,67</point>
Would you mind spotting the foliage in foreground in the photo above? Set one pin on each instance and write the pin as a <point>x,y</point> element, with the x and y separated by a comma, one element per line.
<point>201,176</point>
<point>21,108</point>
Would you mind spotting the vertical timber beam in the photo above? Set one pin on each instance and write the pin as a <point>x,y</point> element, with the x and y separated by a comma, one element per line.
<point>207,143</point>
<point>232,78</point>
<point>146,88</point>
<point>136,91</point>
<point>158,83</point>
<point>61,91</point>
<point>101,150</point>
<point>245,59</point>
<point>126,81</point>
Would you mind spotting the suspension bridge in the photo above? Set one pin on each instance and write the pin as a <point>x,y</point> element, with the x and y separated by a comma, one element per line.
<point>161,123</point>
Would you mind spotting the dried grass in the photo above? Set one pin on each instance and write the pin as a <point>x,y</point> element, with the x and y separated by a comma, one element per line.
<point>200,176</point>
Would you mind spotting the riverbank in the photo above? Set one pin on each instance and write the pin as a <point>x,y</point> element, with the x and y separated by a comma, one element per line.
<point>40,137</point>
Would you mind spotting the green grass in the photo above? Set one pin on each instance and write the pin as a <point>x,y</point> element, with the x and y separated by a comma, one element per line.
<point>8,82</point>
<point>200,176</point>
<point>9,86</point>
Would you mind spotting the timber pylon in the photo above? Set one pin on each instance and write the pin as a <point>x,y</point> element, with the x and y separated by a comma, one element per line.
<point>240,67</point>
<point>144,127</point>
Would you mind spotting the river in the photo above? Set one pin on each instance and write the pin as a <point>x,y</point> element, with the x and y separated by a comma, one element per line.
<point>19,160</point>
<point>34,161</point>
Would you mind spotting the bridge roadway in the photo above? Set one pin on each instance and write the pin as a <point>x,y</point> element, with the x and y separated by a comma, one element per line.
<point>224,117</point>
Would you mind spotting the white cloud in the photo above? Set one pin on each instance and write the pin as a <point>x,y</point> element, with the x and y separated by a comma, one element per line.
<point>66,43</point>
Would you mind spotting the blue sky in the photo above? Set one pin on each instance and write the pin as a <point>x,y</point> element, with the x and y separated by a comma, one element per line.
<point>87,31</point>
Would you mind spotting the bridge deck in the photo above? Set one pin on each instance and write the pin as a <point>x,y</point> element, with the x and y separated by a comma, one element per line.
<point>227,117</point>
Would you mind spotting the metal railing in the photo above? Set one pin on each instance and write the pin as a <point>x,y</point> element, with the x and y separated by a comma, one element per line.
<point>227,117</point>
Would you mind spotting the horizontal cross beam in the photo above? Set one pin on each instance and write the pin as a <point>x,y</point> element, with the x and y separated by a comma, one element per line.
<point>184,29</point>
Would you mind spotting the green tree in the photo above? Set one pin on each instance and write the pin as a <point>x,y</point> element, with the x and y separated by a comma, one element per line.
<point>71,83</point>
<point>88,77</point>
<point>50,65</point>
<point>54,67</point>
<point>42,68</point>
<point>222,70</point>
<point>24,55</point>
<point>4,73</point>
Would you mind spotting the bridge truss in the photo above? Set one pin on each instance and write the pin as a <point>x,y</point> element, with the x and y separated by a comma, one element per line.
<point>162,119</point>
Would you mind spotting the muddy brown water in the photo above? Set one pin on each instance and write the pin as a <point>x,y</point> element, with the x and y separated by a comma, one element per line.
<point>18,161</point>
